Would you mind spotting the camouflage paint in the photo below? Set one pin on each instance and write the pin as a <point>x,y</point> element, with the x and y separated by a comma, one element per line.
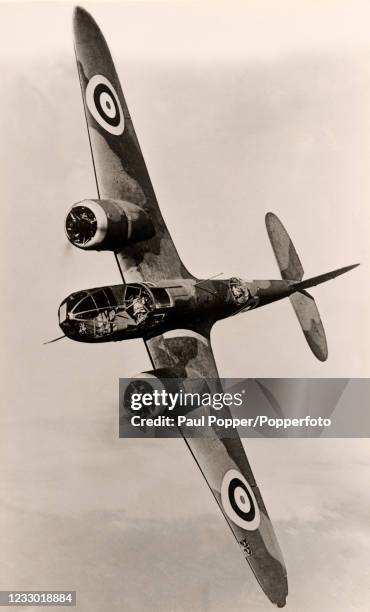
<point>121,174</point>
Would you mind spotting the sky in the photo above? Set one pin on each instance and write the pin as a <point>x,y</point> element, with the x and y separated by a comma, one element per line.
<point>240,108</point>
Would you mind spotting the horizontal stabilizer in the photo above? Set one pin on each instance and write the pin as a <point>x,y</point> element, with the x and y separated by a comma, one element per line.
<point>286,256</point>
<point>309,318</point>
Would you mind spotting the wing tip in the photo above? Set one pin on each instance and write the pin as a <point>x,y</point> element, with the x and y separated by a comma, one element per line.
<point>79,12</point>
<point>281,601</point>
<point>83,20</point>
<point>280,594</point>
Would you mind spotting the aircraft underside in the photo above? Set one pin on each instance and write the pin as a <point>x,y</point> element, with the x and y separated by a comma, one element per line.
<point>163,303</point>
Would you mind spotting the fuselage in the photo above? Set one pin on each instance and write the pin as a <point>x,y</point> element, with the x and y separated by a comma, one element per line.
<point>144,309</point>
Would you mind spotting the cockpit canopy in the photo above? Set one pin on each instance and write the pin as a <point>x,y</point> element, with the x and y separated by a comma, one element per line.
<point>95,313</point>
<point>87,304</point>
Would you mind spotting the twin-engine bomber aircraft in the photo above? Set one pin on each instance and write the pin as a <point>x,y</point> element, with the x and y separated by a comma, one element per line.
<point>161,302</point>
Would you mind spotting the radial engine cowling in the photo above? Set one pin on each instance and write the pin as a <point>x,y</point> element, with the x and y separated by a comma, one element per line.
<point>107,225</point>
<point>154,393</point>
<point>135,392</point>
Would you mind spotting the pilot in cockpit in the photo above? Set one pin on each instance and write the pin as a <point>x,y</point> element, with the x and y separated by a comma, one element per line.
<point>106,322</point>
<point>139,309</point>
<point>239,290</point>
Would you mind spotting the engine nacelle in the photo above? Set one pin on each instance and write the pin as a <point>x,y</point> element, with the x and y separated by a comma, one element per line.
<point>162,387</point>
<point>107,225</point>
<point>132,398</point>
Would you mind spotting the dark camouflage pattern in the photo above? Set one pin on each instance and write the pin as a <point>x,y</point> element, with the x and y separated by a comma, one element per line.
<point>291,270</point>
<point>215,456</point>
<point>121,174</point>
<point>179,343</point>
<point>286,256</point>
<point>120,169</point>
<point>309,318</point>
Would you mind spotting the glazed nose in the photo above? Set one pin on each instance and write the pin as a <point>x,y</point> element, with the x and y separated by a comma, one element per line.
<point>62,313</point>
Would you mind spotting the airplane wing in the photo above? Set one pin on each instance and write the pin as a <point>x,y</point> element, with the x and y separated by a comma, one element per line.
<point>119,164</point>
<point>225,467</point>
<point>121,173</point>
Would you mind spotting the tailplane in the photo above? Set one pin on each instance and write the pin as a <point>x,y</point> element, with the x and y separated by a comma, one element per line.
<point>286,256</point>
<point>310,321</point>
<point>303,303</point>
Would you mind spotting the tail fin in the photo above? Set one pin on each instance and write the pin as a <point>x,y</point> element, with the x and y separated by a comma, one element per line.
<point>286,256</point>
<point>303,303</point>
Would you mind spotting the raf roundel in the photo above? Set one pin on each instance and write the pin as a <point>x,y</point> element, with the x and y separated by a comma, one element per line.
<point>104,105</point>
<point>238,501</point>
